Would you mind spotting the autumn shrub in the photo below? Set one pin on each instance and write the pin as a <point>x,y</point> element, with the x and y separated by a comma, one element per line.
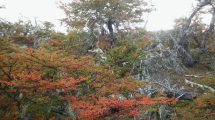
<point>199,109</point>
<point>74,42</point>
<point>32,78</point>
<point>43,84</point>
<point>122,57</point>
<point>4,43</point>
<point>8,108</point>
<point>207,59</point>
<point>206,102</point>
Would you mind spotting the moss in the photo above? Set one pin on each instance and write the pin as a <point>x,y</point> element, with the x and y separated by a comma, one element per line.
<point>209,81</point>
<point>207,59</point>
<point>37,109</point>
<point>125,92</point>
<point>183,103</point>
<point>121,58</point>
<point>44,107</point>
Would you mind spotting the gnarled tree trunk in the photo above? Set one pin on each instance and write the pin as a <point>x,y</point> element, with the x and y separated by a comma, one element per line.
<point>183,41</point>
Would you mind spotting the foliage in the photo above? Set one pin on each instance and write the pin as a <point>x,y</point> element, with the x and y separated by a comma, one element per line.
<point>4,43</point>
<point>44,30</point>
<point>209,81</point>
<point>54,80</point>
<point>211,43</point>
<point>8,109</point>
<point>207,59</point>
<point>101,11</point>
<point>122,58</point>
<point>103,18</point>
<point>25,33</point>
<point>103,107</point>
<point>33,78</point>
<point>206,102</point>
<point>58,36</point>
<point>18,28</point>
<point>74,42</point>
<point>201,108</point>
<point>42,84</point>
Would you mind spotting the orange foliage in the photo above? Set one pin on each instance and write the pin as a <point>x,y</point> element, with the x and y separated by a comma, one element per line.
<point>103,43</point>
<point>101,107</point>
<point>54,42</point>
<point>38,74</point>
<point>205,101</point>
<point>22,38</point>
<point>29,68</point>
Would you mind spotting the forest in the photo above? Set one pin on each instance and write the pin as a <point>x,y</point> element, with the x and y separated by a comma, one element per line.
<point>107,67</point>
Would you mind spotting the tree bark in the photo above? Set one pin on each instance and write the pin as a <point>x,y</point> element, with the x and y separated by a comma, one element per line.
<point>183,41</point>
<point>110,28</point>
<point>90,42</point>
<point>208,32</point>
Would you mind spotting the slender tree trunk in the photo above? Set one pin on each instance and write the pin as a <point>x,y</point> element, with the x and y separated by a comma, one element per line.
<point>110,28</point>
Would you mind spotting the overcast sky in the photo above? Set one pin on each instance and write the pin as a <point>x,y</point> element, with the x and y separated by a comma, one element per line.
<point>47,10</point>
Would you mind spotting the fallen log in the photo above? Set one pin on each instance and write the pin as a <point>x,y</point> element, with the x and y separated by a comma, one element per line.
<point>199,85</point>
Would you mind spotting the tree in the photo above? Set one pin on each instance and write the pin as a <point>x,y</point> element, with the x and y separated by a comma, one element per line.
<point>26,33</point>
<point>103,16</point>
<point>42,33</point>
<point>6,28</point>
<point>20,27</point>
<point>186,30</point>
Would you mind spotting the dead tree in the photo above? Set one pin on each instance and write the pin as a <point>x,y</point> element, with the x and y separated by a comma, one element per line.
<point>186,30</point>
<point>92,39</point>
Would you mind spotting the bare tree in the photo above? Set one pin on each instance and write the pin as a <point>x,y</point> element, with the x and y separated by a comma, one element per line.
<point>186,30</point>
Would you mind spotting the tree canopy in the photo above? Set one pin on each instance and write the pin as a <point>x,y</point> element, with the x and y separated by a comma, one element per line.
<point>103,16</point>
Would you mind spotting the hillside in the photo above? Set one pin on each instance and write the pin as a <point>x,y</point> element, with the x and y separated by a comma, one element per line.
<point>105,69</point>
